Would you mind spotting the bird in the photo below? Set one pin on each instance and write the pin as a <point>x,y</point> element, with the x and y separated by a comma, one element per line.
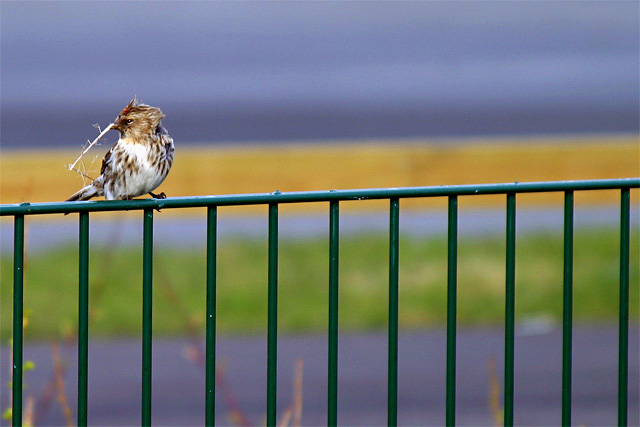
<point>138,162</point>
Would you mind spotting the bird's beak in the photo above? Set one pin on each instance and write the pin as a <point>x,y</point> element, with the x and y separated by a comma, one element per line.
<point>116,125</point>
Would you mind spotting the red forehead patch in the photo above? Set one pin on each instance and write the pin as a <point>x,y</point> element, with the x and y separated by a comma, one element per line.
<point>128,108</point>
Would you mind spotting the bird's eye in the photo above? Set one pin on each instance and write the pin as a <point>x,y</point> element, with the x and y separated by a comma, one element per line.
<point>128,121</point>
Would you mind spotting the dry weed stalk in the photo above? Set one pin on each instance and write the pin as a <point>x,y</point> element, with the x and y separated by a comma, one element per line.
<point>91,144</point>
<point>494,393</point>
<point>28,416</point>
<point>295,410</point>
<point>194,352</point>
<point>286,417</point>
<point>58,368</point>
<point>297,387</point>
<point>236,415</point>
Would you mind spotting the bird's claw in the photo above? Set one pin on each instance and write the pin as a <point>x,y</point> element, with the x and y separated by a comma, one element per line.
<point>158,196</point>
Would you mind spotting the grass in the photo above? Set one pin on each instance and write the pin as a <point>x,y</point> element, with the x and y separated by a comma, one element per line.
<point>179,284</point>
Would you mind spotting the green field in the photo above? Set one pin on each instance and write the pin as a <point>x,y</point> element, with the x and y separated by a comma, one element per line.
<point>179,284</point>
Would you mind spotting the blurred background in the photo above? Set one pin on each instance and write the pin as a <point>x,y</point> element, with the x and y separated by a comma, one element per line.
<point>253,71</point>
<point>296,96</point>
<point>351,94</point>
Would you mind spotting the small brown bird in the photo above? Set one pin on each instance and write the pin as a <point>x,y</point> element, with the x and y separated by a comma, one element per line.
<point>140,160</point>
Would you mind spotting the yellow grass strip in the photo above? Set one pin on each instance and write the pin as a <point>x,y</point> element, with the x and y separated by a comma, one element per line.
<point>39,176</point>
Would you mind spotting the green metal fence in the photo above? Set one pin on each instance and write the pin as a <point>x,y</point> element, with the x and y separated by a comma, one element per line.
<point>333,198</point>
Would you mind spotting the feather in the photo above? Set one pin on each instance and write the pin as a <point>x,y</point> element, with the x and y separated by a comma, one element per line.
<point>85,193</point>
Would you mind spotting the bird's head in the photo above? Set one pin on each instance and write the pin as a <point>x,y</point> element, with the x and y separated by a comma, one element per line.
<point>138,120</point>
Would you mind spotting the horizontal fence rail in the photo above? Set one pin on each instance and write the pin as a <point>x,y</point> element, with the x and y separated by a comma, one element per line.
<point>317,196</point>
<point>333,197</point>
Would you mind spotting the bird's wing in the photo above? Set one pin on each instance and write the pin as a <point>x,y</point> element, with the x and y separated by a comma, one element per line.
<point>107,160</point>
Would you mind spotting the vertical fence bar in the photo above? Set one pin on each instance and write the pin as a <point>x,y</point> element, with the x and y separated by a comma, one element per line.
<point>623,332</point>
<point>210,356</point>
<point>83,316</point>
<point>394,235</point>
<point>18,281</point>
<point>334,245</point>
<point>147,302</point>
<point>452,270</point>
<point>509,309</point>
<point>567,311</point>
<point>272,325</point>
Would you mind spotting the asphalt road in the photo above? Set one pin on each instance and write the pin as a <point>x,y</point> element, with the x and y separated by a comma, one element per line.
<point>178,380</point>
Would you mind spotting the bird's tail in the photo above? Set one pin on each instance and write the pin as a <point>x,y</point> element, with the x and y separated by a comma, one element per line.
<point>85,193</point>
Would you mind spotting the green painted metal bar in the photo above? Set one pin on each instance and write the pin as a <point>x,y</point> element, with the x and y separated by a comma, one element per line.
<point>83,317</point>
<point>623,333</point>
<point>394,237</point>
<point>333,197</point>
<point>147,304</point>
<point>567,312</point>
<point>272,322</point>
<point>18,318</point>
<point>452,277</point>
<point>334,245</point>
<point>316,196</point>
<point>210,364</point>
<point>510,309</point>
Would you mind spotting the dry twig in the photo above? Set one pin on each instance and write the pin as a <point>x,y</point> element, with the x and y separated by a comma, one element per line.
<point>196,355</point>
<point>286,417</point>
<point>28,417</point>
<point>295,410</point>
<point>494,393</point>
<point>297,400</point>
<point>59,384</point>
<point>72,166</point>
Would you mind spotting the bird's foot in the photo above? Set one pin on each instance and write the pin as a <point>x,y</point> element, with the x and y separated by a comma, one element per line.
<point>158,196</point>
